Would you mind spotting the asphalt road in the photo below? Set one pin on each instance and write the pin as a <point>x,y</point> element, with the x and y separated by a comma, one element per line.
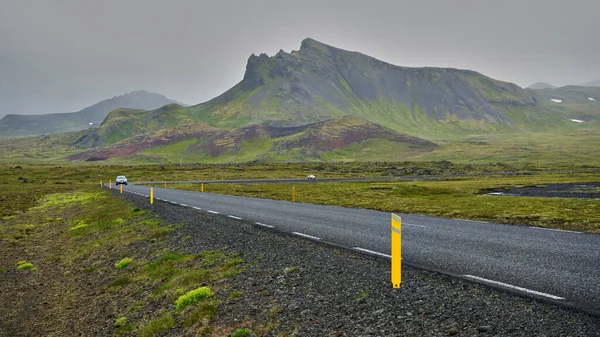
<point>557,266</point>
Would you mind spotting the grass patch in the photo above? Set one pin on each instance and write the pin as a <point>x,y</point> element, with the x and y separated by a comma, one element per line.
<point>193,296</point>
<point>158,326</point>
<point>120,321</point>
<point>204,310</point>
<point>242,332</point>
<point>235,294</point>
<point>123,263</point>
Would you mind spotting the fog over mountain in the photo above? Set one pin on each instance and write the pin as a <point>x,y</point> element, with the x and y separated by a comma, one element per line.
<point>67,55</point>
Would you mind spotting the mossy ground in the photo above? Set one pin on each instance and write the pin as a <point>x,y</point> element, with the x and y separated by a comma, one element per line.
<point>60,253</point>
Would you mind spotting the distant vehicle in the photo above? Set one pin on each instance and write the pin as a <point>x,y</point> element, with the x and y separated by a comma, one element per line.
<point>311,176</point>
<point>121,180</point>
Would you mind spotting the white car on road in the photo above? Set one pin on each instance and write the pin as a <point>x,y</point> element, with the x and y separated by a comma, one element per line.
<point>121,180</point>
<point>311,176</point>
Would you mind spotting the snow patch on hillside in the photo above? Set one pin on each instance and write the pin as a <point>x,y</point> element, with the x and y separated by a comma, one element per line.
<point>556,100</point>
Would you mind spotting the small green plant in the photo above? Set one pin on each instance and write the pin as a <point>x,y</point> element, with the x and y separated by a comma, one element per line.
<point>362,295</point>
<point>25,265</point>
<point>235,294</point>
<point>2,270</point>
<point>123,263</point>
<point>120,321</point>
<point>193,296</point>
<point>242,332</point>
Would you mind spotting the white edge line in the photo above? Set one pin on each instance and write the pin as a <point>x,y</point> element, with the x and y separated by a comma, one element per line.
<point>306,236</point>
<point>409,224</point>
<point>555,230</point>
<point>213,212</point>
<point>264,225</point>
<point>476,221</point>
<point>198,208</point>
<point>184,205</point>
<point>371,252</point>
<point>235,217</point>
<point>529,291</point>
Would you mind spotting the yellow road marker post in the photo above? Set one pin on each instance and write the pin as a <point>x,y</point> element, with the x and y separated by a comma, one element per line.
<point>165,184</point>
<point>100,183</point>
<point>121,188</point>
<point>151,195</point>
<point>396,250</point>
<point>293,194</point>
<point>202,188</point>
<point>110,184</point>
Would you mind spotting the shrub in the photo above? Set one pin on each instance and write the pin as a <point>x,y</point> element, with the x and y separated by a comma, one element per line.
<point>243,332</point>
<point>193,296</point>
<point>120,321</point>
<point>123,263</point>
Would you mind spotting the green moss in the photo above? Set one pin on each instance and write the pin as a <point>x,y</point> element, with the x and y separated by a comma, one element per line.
<point>25,265</point>
<point>120,321</point>
<point>193,296</point>
<point>123,263</point>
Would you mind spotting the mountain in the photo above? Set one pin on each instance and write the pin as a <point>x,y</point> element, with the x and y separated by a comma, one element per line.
<point>593,83</point>
<point>320,82</point>
<point>541,85</point>
<point>25,125</point>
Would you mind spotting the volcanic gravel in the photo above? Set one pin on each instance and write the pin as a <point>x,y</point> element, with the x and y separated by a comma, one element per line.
<point>304,288</point>
<point>570,190</point>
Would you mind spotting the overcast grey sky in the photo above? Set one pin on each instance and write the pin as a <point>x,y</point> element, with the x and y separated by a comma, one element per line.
<point>63,55</point>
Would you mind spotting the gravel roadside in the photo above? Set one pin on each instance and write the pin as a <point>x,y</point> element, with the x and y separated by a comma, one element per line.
<point>293,286</point>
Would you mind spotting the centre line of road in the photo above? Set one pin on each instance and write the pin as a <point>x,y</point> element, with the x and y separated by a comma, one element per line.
<point>235,217</point>
<point>372,252</point>
<point>213,212</point>
<point>506,285</point>
<point>306,236</point>
<point>413,225</point>
<point>198,208</point>
<point>184,205</point>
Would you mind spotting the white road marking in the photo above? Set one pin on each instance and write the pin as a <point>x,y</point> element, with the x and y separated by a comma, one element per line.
<point>529,291</point>
<point>198,208</point>
<point>476,221</point>
<point>184,205</point>
<point>306,236</point>
<point>264,225</point>
<point>555,230</point>
<point>409,224</point>
<point>213,212</point>
<point>235,217</point>
<point>372,252</point>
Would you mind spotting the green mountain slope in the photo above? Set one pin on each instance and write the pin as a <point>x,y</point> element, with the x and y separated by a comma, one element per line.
<point>27,125</point>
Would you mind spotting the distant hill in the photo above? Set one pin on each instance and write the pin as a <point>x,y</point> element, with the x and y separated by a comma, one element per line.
<point>593,83</point>
<point>26,125</point>
<point>541,85</point>
<point>355,137</point>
